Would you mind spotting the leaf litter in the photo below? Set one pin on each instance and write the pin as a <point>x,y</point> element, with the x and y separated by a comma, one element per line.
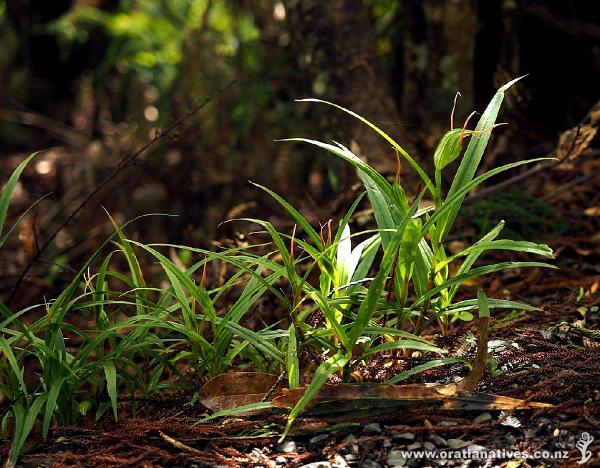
<point>534,367</point>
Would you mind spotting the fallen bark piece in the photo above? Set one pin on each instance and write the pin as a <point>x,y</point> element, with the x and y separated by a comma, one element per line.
<point>358,397</point>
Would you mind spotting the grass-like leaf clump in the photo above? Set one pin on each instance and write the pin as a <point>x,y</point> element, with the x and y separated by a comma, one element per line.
<point>347,295</point>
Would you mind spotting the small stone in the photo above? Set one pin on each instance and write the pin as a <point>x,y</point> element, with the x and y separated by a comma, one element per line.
<point>448,423</point>
<point>428,445</point>
<point>387,443</point>
<point>318,439</point>
<point>496,345</point>
<point>353,448</point>
<point>319,464</point>
<point>457,443</point>
<point>340,462</point>
<point>403,435</point>
<point>280,459</point>
<point>395,458</point>
<point>556,432</point>
<point>414,446</point>
<point>372,427</point>
<point>368,463</point>
<point>530,433</point>
<point>483,417</point>
<point>476,448</point>
<point>511,439</point>
<point>438,440</point>
<point>288,446</point>
<point>352,457</point>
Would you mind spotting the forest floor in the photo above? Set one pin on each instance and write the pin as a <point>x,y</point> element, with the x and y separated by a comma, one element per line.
<point>535,362</point>
<point>550,356</point>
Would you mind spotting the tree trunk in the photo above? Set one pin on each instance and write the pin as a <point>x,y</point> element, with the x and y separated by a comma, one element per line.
<point>337,52</point>
<point>438,55</point>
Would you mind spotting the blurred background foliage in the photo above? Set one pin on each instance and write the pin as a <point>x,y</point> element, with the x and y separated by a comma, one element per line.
<point>89,81</point>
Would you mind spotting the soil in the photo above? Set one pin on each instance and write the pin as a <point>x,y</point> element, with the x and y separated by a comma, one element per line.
<point>531,363</point>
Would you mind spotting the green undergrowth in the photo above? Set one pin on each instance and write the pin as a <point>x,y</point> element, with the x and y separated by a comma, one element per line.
<point>347,296</point>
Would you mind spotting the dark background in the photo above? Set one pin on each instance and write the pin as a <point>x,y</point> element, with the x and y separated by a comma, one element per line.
<point>91,81</point>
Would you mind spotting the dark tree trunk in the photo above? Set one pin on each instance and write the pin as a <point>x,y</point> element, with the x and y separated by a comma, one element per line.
<point>337,51</point>
<point>438,56</point>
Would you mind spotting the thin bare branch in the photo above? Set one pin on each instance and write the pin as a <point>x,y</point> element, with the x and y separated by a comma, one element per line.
<point>126,161</point>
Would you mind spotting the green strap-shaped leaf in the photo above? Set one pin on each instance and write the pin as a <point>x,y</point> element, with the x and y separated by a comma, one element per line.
<point>403,344</point>
<point>12,361</point>
<point>368,249</point>
<point>301,220</point>
<point>332,365</point>
<point>482,304</point>
<point>470,162</point>
<point>389,139</point>
<point>382,208</point>
<point>369,305</point>
<point>10,187</point>
<point>471,304</point>
<point>456,199</point>
<point>51,404</point>
<point>24,420</point>
<point>239,410</point>
<point>501,244</point>
<point>292,362</point>
<point>256,340</point>
<point>110,372</point>
<point>331,317</point>
<point>350,157</point>
<point>422,268</point>
<point>480,271</point>
<point>423,367</point>
<point>346,219</point>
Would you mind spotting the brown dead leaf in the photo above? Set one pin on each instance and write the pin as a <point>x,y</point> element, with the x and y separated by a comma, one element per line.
<point>444,396</point>
<point>365,398</point>
<point>592,211</point>
<point>235,389</point>
<point>590,167</point>
<point>239,383</point>
<point>573,142</point>
<point>225,402</point>
<point>469,383</point>
<point>28,229</point>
